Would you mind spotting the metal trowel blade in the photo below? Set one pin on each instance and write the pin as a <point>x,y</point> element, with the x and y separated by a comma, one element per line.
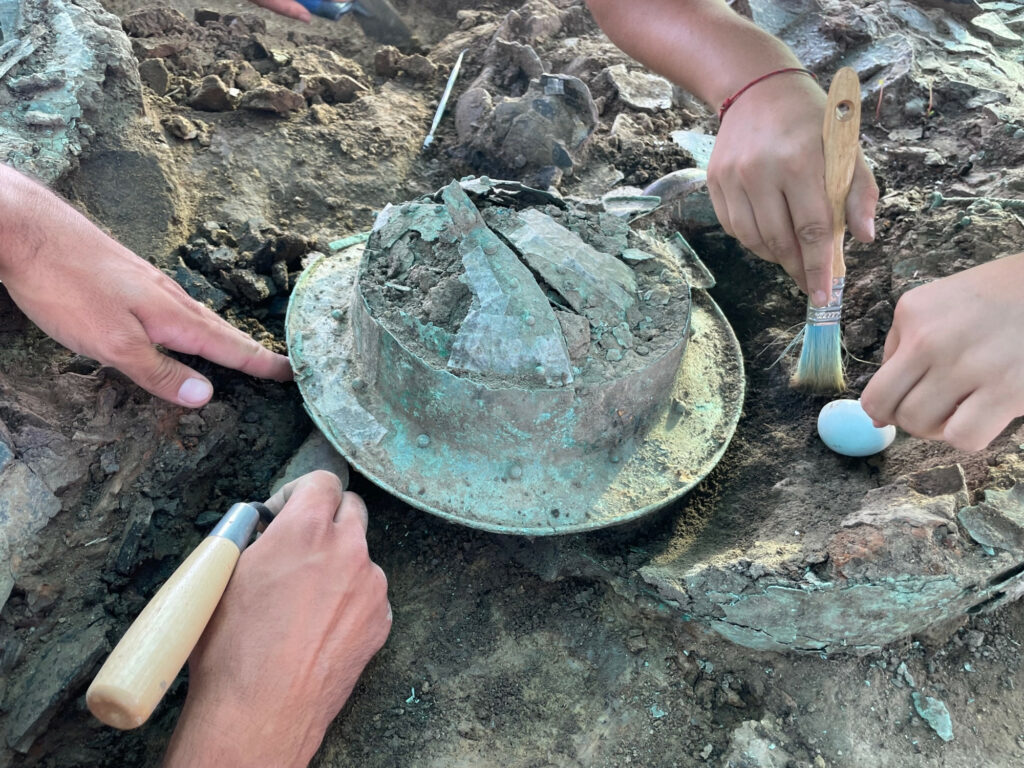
<point>381,21</point>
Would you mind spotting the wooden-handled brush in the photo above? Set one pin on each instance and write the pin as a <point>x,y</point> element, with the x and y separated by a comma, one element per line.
<point>820,368</point>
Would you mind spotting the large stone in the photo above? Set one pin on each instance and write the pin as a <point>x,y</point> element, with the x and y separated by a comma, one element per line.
<point>64,665</point>
<point>992,26</point>
<point>213,95</point>
<point>76,64</point>
<point>271,97</point>
<point>640,90</point>
<point>151,22</point>
<point>998,521</point>
<point>26,506</point>
<point>155,74</point>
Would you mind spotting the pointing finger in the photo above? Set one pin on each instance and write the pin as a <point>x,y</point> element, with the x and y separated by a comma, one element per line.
<point>195,330</point>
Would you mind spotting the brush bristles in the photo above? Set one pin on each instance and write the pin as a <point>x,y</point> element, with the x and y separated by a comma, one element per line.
<point>820,368</point>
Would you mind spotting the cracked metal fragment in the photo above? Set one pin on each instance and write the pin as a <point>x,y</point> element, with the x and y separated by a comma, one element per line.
<point>597,285</point>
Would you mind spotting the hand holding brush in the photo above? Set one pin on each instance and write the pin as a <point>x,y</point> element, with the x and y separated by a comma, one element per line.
<point>820,368</point>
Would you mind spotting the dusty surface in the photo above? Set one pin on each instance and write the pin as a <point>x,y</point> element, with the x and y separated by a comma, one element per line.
<point>505,651</point>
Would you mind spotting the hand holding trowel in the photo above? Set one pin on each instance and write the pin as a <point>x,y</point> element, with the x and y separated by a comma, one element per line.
<point>154,649</point>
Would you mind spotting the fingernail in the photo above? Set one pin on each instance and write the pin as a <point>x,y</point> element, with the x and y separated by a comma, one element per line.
<point>871,228</point>
<point>819,299</point>
<point>194,392</point>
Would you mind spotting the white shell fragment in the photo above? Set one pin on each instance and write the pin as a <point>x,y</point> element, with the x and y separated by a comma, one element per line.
<point>846,429</point>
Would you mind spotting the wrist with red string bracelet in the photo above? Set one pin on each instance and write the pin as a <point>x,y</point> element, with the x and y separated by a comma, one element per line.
<point>785,70</point>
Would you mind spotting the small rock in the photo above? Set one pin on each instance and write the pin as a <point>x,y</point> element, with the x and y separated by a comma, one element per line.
<point>41,119</point>
<point>211,261</point>
<point>757,745</point>
<point>903,672</point>
<point>204,16</point>
<point>213,95</point>
<point>935,713</point>
<point>417,67</point>
<point>246,77</point>
<point>333,89</point>
<point>271,97</point>
<point>974,639</point>
<point>279,274</point>
<point>467,19</point>
<point>732,698</point>
<point>636,644</point>
<point>155,74</point>
<point>623,335</point>
<point>152,22</point>
<point>181,127</point>
<point>640,90</point>
<point>199,288</point>
<point>576,330</point>
<point>998,521</point>
<point>254,287</point>
<point>385,61</point>
<point>214,233</point>
<point>158,47</point>
<point>323,114</point>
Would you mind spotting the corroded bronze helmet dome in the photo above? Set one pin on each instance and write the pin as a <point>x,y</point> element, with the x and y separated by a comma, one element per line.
<point>516,362</point>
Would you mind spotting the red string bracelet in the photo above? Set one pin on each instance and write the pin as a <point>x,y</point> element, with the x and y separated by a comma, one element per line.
<point>732,99</point>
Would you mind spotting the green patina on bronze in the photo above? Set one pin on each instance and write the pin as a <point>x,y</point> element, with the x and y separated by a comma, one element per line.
<point>494,366</point>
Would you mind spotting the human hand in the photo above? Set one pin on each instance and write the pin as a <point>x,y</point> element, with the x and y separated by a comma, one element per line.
<point>288,8</point>
<point>953,366</point>
<point>99,299</point>
<point>766,178</point>
<point>303,613</point>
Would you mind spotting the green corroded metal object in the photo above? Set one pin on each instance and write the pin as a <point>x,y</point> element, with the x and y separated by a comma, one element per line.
<point>482,358</point>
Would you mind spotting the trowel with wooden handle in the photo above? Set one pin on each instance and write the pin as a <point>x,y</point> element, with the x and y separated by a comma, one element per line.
<point>156,646</point>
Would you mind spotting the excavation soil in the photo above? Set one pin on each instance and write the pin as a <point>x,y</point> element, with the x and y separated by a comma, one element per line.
<point>501,654</point>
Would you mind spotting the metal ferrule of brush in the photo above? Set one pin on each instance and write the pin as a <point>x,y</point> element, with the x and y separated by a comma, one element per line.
<point>831,312</point>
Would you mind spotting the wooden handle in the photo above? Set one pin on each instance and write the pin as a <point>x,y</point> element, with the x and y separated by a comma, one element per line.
<point>841,135</point>
<point>156,646</point>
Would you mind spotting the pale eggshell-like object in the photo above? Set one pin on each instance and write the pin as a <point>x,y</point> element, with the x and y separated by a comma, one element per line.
<point>846,429</point>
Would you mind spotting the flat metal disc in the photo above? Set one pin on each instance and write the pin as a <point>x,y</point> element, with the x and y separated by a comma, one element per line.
<point>511,493</point>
